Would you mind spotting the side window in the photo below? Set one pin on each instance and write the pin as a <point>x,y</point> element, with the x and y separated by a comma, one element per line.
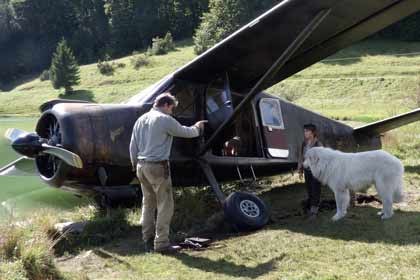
<point>271,113</point>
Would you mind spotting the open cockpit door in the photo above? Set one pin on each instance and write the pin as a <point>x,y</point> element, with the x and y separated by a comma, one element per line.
<point>219,104</point>
<point>273,129</point>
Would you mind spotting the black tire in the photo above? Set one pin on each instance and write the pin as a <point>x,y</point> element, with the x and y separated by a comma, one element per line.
<point>245,211</point>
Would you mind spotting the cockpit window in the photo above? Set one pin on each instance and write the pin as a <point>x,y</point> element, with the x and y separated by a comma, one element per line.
<point>271,113</point>
<point>186,100</point>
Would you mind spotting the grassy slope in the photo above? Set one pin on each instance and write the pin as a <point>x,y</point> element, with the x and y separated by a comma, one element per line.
<point>360,247</point>
<point>126,82</point>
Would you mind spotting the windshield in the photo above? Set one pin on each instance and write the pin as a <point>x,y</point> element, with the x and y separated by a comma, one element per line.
<point>147,94</point>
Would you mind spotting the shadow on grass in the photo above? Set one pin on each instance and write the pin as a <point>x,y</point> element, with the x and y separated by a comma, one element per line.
<point>412,169</point>
<point>225,267</point>
<point>103,230</point>
<point>84,95</point>
<point>361,223</point>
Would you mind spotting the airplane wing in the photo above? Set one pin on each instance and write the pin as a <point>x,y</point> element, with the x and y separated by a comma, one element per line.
<point>248,53</point>
<point>382,126</point>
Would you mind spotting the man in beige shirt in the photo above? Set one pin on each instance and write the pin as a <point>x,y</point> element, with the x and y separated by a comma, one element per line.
<point>150,148</point>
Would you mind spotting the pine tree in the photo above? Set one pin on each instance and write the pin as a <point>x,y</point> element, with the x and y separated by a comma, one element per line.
<point>64,70</point>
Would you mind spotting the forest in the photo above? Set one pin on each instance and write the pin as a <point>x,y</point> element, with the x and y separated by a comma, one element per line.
<point>31,29</point>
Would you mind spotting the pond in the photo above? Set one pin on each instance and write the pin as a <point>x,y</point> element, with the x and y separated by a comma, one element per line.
<point>20,195</point>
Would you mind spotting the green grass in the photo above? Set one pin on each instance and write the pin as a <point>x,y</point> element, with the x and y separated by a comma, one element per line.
<point>119,87</point>
<point>373,86</point>
<point>291,247</point>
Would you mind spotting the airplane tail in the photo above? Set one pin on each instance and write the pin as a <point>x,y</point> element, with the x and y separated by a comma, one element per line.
<point>385,125</point>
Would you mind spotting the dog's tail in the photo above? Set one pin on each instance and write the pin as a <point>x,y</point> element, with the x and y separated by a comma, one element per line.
<point>398,192</point>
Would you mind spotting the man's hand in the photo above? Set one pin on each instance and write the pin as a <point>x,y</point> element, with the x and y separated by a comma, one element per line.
<point>300,171</point>
<point>200,124</point>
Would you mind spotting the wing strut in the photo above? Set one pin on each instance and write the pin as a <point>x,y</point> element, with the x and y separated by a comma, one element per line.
<point>269,75</point>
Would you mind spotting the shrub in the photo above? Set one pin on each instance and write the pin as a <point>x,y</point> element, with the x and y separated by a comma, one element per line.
<point>45,75</point>
<point>120,65</point>
<point>138,61</point>
<point>204,37</point>
<point>169,42</point>
<point>105,67</point>
<point>162,45</point>
<point>10,243</point>
<point>38,260</point>
<point>26,251</point>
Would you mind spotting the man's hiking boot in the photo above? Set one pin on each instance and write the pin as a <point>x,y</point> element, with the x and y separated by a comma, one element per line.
<point>313,212</point>
<point>171,249</point>
<point>148,245</point>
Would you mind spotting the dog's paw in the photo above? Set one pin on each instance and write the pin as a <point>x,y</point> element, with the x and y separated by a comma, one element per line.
<point>380,213</point>
<point>386,217</point>
<point>337,217</point>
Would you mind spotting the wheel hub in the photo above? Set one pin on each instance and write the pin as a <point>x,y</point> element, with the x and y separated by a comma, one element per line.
<point>249,208</point>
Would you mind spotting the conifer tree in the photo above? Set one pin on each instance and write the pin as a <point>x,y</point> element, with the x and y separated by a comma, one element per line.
<point>64,70</point>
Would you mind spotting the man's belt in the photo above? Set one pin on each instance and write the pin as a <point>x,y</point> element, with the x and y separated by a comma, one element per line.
<point>160,162</point>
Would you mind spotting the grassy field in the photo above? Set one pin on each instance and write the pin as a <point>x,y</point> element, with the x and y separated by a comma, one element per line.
<point>375,83</point>
<point>119,87</point>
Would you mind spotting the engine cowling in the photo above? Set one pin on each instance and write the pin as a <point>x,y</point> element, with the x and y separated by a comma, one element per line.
<point>99,134</point>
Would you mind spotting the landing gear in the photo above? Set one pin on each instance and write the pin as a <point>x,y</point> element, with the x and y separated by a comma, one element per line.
<point>243,210</point>
<point>246,211</point>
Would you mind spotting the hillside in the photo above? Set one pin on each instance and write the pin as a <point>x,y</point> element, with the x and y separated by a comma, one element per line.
<point>372,84</point>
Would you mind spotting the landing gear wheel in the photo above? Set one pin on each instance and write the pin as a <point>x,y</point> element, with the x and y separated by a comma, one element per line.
<point>245,211</point>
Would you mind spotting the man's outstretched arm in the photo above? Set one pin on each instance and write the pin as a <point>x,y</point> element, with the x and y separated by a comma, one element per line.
<point>175,129</point>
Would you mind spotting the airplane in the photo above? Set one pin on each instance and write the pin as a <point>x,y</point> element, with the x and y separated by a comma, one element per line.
<point>82,147</point>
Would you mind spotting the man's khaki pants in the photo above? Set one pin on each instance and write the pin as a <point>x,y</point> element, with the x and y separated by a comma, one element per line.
<point>156,186</point>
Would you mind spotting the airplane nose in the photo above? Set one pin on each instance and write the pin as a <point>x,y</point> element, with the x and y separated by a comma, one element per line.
<point>28,145</point>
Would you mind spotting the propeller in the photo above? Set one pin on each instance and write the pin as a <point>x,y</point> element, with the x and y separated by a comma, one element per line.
<point>23,166</point>
<point>31,145</point>
<point>14,133</point>
<point>65,155</point>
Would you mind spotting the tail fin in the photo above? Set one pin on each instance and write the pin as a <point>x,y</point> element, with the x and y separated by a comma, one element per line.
<point>382,126</point>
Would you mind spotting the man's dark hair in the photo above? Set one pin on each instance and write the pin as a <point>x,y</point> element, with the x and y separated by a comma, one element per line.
<point>165,98</point>
<point>311,127</point>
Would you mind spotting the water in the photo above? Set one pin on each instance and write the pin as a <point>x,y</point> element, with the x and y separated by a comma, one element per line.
<point>21,195</point>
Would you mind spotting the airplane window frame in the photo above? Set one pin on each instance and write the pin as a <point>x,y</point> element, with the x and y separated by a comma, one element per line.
<point>189,110</point>
<point>277,106</point>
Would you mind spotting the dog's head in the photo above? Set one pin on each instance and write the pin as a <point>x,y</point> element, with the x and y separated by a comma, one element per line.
<point>317,161</point>
<point>311,158</point>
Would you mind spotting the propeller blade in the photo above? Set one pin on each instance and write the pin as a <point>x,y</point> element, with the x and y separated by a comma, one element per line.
<point>63,154</point>
<point>14,133</point>
<point>21,167</point>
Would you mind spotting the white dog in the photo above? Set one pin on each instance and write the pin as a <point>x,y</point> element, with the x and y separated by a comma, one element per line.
<point>357,171</point>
